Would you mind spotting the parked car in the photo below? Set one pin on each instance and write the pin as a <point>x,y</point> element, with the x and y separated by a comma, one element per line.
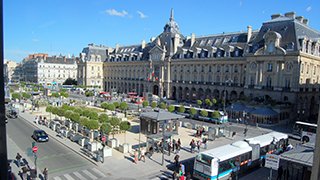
<point>75,137</point>
<point>40,136</point>
<point>11,113</point>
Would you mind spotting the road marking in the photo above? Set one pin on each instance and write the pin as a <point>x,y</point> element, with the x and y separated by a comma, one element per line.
<point>57,178</point>
<point>89,174</point>
<point>98,172</point>
<point>79,176</point>
<point>68,177</point>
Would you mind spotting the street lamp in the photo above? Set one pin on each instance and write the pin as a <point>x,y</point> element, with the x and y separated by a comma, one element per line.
<point>225,94</point>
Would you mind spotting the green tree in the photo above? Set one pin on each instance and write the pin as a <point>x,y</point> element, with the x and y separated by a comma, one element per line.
<point>114,122</point>
<point>199,102</point>
<point>26,95</point>
<point>93,115</point>
<point>125,126</point>
<point>92,124</point>
<point>55,110</point>
<point>83,120</point>
<point>154,104</point>
<point>89,93</point>
<point>208,102</point>
<point>215,114</point>
<point>171,108</point>
<point>86,112</point>
<point>68,114</point>
<point>64,94</point>
<point>116,104</point>
<point>55,94</point>
<point>106,128</point>
<point>104,105</point>
<point>193,112</point>
<point>65,107</point>
<point>111,107</point>
<point>162,105</point>
<point>214,101</point>
<point>75,117</point>
<point>78,110</point>
<point>182,109</point>
<point>60,112</point>
<point>204,113</point>
<point>145,104</point>
<point>123,106</point>
<point>49,110</point>
<point>15,96</point>
<point>103,118</point>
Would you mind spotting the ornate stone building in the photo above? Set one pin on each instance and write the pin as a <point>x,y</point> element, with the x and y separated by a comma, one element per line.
<point>90,66</point>
<point>279,62</point>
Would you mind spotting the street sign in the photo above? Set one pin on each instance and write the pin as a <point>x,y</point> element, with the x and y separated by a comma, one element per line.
<point>272,161</point>
<point>35,149</point>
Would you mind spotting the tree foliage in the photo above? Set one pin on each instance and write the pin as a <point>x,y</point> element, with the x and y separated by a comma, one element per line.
<point>104,105</point>
<point>49,109</point>
<point>111,107</point>
<point>75,117</point>
<point>123,106</point>
<point>145,104</point>
<point>93,115</point>
<point>68,114</point>
<point>199,102</point>
<point>15,96</point>
<point>204,113</point>
<point>193,111</point>
<point>182,109</point>
<point>208,102</point>
<point>92,124</point>
<point>103,118</point>
<point>116,104</point>
<point>171,108</point>
<point>26,95</point>
<point>154,104</point>
<point>124,126</point>
<point>106,128</point>
<point>89,93</point>
<point>215,114</point>
<point>162,105</point>
<point>83,120</point>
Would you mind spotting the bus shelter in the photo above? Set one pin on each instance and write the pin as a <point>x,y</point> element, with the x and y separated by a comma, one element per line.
<point>159,127</point>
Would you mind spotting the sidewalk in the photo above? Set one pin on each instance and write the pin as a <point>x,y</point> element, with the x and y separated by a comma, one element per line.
<point>121,165</point>
<point>13,149</point>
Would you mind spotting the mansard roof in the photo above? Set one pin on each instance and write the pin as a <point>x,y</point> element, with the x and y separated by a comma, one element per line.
<point>290,29</point>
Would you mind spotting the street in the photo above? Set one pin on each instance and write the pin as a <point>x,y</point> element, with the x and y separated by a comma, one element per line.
<point>52,155</point>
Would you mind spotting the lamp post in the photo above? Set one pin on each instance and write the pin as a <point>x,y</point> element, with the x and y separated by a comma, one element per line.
<point>225,94</point>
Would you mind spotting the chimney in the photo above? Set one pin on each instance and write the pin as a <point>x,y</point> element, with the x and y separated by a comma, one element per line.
<point>143,44</point>
<point>273,16</point>
<point>299,18</point>
<point>249,31</point>
<point>291,15</point>
<point>305,21</point>
<point>193,39</point>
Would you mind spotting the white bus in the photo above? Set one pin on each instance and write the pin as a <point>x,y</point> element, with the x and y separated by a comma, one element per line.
<point>306,131</point>
<point>220,162</point>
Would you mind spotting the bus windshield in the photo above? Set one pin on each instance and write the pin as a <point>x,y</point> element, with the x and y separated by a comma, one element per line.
<point>204,159</point>
<point>299,127</point>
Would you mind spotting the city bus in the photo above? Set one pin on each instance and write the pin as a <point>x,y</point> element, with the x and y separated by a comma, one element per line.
<point>306,131</point>
<point>221,162</point>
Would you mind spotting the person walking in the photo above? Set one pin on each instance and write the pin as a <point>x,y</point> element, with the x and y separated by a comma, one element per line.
<point>245,132</point>
<point>169,148</point>
<point>204,142</point>
<point>192,145</point>
<point>176,160</point>
<point>45,174</point>
<point>142,155</point>
<point>173,145</point>
<point>18,158</point>
<point>198,145</point>
<point>136,156</point>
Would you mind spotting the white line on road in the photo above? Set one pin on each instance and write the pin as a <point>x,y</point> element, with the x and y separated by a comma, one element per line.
<point>79,176</point>
<point>98,172</point>
<point>68,177</point>
<point>89,174</point>
<point>57,178</point>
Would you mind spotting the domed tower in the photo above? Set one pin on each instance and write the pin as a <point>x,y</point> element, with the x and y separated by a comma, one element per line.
<point>171,37</point>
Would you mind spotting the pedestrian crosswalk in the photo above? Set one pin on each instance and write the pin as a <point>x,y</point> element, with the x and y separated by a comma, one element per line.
<point>81,175</point>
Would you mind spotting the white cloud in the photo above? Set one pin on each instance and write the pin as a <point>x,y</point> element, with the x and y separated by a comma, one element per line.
<point>142,16</point>
<point>113,12</point>
<point>308,9</point>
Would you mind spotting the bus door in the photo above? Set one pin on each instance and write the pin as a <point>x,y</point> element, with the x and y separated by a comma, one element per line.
<point>255,152</point>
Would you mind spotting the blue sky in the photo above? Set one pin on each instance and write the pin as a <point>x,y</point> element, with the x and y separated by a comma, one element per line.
<point>66,26</point>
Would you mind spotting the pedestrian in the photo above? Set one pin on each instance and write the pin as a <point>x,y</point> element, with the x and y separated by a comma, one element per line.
<point>192,145</point>
<point>174,175</point>
<point>245,132</point>
<point>204,141</point>
<point>136,156</point>
<point>178,145</point>
<point>176,160</point>
<point>173,145</point>
<point>142,155</point>
<point>182,169</point>
<point>24,172</point>
<point>169,148</point>
<point>18,158</point>
<point>36,119</point>
<point>198,145</point>
<point>45,174</point>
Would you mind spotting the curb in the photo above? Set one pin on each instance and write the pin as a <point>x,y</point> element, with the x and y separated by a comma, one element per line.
<point>62,143</point>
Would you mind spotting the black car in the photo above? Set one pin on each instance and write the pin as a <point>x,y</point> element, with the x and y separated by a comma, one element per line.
<point>12,113</point>
<point>40,136</point>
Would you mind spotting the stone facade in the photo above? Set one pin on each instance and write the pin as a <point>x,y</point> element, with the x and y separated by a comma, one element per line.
<point>279,62</point>
<point>9,67</point>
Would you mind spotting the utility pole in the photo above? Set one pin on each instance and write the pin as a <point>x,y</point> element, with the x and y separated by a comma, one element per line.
<point>3,133</point>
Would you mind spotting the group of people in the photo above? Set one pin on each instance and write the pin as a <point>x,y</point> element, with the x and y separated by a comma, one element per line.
<point>197,144</point>
<point>25,169</point>
<point>40,120</point>
<point>179,172</point>
<point>139,156</point>
<point>172,146</point>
